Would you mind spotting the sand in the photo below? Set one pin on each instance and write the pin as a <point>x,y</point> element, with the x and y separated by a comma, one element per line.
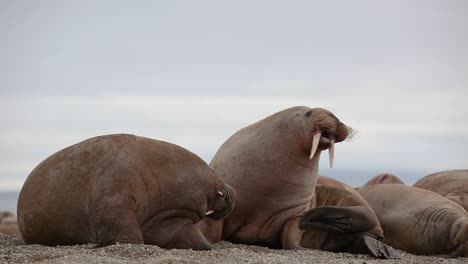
<point>14,250</point>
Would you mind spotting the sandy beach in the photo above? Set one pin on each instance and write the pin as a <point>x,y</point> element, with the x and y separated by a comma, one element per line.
<point>14,250</point>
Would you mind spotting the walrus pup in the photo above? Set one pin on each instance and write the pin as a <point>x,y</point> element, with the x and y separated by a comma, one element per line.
<point>273,166</point>
<point>452,184</point>
<point>419,221</point>
<point>121,188</point>
<point>354,228</point>
<point>384,178</point>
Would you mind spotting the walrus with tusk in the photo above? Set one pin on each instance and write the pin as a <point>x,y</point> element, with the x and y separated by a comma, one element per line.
<point>273,166</point>
<point>122,188</point>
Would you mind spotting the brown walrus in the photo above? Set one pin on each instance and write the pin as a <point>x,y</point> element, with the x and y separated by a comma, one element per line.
<point>452,184</point>
<point>8,223</point>
<point>273,165</point>
<point>356,229</point>
<point>121,188</point>
<point>419,221</point>
<point>384,178</point>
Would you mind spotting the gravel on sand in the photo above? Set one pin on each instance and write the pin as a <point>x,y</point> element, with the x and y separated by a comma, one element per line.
<point>14,250</point>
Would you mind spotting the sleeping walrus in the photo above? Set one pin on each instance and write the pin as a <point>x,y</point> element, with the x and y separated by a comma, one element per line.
<point>8,223</point>
<point>384,178</point>
<point>121,188</point>
<point>419,221</point>
<point>452,184</point>
<point>353,228</point>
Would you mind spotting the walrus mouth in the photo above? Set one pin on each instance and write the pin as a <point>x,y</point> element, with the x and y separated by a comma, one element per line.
<point>324,140</point>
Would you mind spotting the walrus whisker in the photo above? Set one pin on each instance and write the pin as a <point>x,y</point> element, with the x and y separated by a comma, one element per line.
<point>331,153</point>
<point>315,143</point>
<point>353,134</point>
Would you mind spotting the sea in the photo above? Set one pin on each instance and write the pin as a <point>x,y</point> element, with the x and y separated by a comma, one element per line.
<point>8,201</point>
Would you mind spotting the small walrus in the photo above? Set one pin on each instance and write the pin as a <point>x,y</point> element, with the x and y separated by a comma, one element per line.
<point>452,184</point>
<point>121,188</point>
<point>273,166</point>
<point>419,221</point>
<point>343,222</point>
<point>384,178</point>
<point>8,223</point>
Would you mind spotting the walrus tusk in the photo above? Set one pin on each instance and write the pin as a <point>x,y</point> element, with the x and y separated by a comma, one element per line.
<point>315,143</point>
<point>331,152</point>
<point>209,212</point>
<point>221,193</point>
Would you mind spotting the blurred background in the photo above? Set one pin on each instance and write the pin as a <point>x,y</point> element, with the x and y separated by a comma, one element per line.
<point>194,72</point>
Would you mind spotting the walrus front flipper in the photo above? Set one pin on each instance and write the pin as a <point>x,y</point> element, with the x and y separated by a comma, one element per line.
<point>377,249</point>
<point>337,219</point>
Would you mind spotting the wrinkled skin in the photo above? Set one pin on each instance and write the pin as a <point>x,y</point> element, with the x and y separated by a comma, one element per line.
<point>419,221</point>
<point>8,223</point>
<point>121,188</point>
<point>343,222</point>
<point>452,184</point>
<point>384,178</point>
<point>268,165</point>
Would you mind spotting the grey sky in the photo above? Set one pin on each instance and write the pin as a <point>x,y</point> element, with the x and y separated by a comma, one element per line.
<point>194,72</point>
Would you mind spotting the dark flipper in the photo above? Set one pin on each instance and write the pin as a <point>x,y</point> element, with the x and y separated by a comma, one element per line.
<point>338,219</point>
<point>377,249</point>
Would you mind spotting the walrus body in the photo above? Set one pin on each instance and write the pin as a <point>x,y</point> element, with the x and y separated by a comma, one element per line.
<point>273,169</point>
<point>353,228</point>
<point>384,178</point>
<point>419,221</point>
<point>121,188</point>
<point>452,184</point>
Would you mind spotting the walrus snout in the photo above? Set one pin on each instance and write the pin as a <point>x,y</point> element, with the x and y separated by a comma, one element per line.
<point>223,203</point>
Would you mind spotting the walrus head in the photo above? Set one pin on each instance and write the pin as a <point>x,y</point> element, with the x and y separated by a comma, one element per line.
<point>321,130</point>
<point>221,202</point>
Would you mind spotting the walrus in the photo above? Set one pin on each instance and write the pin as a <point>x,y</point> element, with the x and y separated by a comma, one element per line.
<point>273,166</point>
<point>452,184</point>
<point>356,229</point>
<point>419,221</point>
<point>8,223</point>
<point>384,178</point>
<point>121,188</point>
<point>7,217</point>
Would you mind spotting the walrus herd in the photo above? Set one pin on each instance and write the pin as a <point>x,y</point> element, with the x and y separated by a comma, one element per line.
<point>262,187</point>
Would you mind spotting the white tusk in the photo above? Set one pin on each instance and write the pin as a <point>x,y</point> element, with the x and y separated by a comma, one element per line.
<point>209,212</point>
<point>331,153</point>
<point>221,193</point>
<point>315,143</point>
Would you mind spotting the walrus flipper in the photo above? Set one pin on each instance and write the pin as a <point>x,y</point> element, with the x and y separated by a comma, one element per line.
<point>337,219</point>
<point>378,249</point>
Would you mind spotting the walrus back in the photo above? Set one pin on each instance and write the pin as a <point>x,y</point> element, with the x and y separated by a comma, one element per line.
<point>53,196</point>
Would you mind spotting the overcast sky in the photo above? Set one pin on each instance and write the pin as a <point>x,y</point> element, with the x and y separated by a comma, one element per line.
<point>194,72</point>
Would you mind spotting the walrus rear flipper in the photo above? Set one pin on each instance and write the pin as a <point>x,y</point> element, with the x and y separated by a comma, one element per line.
<point>374,248</point>
<point>337,219</point>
